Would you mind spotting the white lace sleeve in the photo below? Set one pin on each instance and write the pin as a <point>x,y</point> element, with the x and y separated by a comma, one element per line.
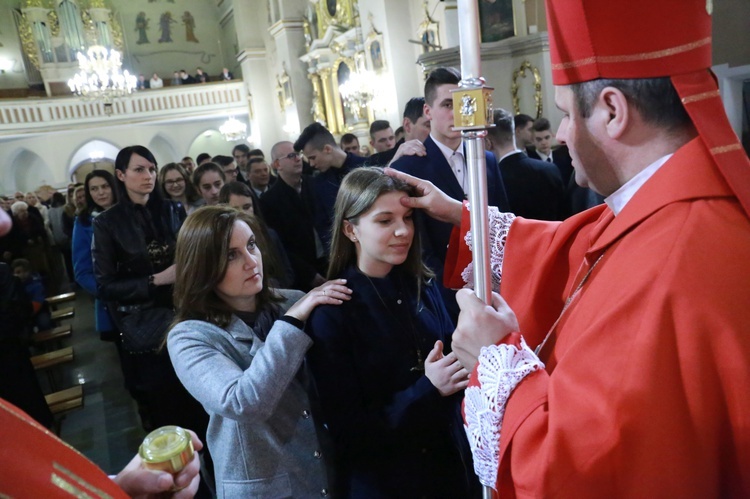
<point>499,223</point>
<point>501,369</point>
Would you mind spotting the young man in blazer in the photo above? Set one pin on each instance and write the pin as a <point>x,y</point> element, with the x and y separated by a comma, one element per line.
<point>444,164</point>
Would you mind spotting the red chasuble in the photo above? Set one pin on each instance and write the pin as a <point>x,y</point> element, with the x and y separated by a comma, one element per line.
<point>646,391</point>
<point>35,463</point>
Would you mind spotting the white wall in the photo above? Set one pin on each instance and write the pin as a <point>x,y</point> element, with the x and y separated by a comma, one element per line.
<point>35,160</point>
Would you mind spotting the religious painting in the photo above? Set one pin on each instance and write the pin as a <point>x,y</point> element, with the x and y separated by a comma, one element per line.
<point>189,21</point>
<point>141,26</point>
<point>331,6</point>
<point>165,26</point>
<point>374,52</point>
<point>496,20</point>
<point>286,88</point>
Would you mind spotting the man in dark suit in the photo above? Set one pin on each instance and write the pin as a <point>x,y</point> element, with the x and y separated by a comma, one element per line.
<point>542,149</point>
<point>289,208</point>
<point>443,163</point>
<point>326,156</point>
<point>416,128</point>
<point>534,187</point>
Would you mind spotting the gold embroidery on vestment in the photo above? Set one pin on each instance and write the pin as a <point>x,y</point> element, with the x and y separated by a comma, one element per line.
<point>643,56</point>
<point>68,487</point>
<point>80,481</point>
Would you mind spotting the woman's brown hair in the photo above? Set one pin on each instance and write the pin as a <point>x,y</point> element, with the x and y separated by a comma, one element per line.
<point>201,260</point>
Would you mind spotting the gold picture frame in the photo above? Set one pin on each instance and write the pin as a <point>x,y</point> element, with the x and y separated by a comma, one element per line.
<point>514,87</point>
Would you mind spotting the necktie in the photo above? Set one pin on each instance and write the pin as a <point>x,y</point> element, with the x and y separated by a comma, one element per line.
<point>549,159</point>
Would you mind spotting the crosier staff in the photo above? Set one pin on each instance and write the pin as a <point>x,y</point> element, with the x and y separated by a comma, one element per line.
<point>472,115</point>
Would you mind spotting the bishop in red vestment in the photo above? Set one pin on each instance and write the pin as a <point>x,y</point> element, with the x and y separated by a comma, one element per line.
<point>617,362</point>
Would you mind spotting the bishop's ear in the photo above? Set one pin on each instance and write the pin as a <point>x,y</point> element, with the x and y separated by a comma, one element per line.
<point>613,110</point>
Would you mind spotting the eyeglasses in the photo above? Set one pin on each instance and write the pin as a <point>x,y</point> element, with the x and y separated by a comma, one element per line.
<point>232,172</point>
<point>291,155</point>
<point>170,183</point>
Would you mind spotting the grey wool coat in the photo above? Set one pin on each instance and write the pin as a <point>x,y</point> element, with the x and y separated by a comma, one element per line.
<point>261,434</point>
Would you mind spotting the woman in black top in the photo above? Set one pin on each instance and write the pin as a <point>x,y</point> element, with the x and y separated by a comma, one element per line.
<point>133,253</point>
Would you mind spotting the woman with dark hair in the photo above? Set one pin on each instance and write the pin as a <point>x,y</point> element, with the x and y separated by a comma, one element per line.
<point>238,346</point>
<point>101,195</point>
<point>389,395</point>
<point>240,197</point>
<point>176,185</point>
<point>133,252</point>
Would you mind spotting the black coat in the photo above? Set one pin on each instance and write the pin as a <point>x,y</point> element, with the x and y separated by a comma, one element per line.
<point>122,264</point>
<point>292,215</point>
<point>560,157</point>
<point>534,187</point>
<point>393,434</point>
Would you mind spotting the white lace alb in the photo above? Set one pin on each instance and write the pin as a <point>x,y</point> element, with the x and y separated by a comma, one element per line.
<point>499,224</point>
<point>501,369</point>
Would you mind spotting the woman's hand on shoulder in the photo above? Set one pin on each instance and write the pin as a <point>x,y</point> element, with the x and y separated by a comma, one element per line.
<point>332,292</point>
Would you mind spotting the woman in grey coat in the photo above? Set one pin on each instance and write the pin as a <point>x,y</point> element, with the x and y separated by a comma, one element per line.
<point>238,347</point>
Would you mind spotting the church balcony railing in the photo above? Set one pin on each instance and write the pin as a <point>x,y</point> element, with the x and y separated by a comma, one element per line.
<point>45,114</point>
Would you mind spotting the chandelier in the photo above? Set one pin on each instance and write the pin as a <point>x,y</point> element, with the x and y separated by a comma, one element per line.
<point>357,92</point>
<point>100,77</point>
<point>233,129</point>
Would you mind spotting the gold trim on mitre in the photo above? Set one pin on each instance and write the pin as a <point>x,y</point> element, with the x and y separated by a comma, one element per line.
<point>724,149</point>
<point>699,97</point>
<point>643,56</point>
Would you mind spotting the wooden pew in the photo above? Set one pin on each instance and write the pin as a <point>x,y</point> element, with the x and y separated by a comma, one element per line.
<point>54,358</point>
<point>63,313</point>
<point>57,333</point>
<point>65,400</point>
<point>56,300</point>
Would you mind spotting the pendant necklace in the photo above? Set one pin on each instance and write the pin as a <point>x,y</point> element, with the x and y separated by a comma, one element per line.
<point>419,367</point>
<point>570,299</point>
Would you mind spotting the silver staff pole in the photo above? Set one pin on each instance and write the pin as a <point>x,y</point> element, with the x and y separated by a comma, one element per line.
<point>472,114</point>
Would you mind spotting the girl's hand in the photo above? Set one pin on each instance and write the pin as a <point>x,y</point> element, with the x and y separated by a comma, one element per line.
<point>330,293</point>
<point>444,371</point>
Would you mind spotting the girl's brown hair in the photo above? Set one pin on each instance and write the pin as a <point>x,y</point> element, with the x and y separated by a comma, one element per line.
<point>358,192</point>
<point>201,260</point>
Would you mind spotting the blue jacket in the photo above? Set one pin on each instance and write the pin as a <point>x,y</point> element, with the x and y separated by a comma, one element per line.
<point>394,435</point>
<point>326,187</point>
<point>83,266</point>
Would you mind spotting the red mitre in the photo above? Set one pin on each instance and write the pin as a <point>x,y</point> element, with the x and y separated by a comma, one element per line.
<point>592,39</point>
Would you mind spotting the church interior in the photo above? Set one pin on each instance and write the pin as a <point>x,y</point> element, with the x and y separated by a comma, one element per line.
<point>343,63</point>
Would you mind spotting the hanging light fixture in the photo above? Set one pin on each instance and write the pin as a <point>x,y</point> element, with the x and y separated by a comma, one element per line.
<point>100,77</point>
<point>358,91</point>
<point>233,129</point>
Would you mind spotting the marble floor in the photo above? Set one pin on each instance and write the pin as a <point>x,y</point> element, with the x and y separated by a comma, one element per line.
<point>107,429</point>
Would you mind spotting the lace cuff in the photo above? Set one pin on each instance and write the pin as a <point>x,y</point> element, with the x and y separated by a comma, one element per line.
<point>501,368</point>
<point>499,224</point>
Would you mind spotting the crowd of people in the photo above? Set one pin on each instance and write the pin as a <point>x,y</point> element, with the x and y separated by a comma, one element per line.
<point>181,77</point>
<point>300,314</point>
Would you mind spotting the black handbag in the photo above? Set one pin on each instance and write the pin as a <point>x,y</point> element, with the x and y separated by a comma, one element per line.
<point>144,327</point>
